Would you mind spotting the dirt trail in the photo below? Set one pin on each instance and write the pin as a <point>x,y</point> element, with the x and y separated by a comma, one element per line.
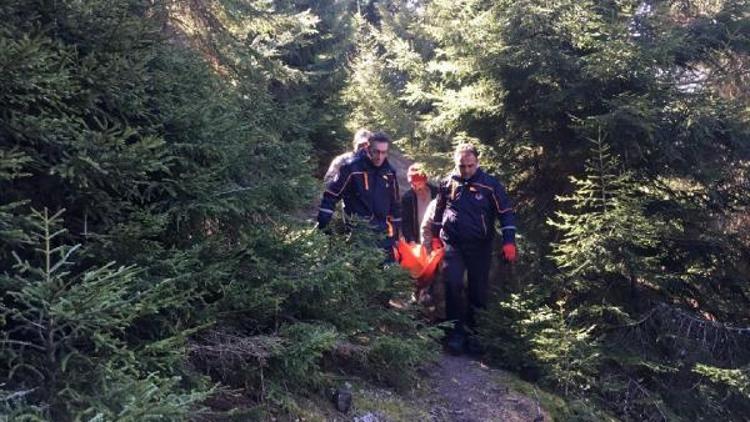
<point>466,390</point>
<point>453,389</point>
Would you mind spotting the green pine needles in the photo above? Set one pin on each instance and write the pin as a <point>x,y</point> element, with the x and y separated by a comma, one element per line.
<point>181,140</point>
<point>68,334</point>
<point>606,232</point>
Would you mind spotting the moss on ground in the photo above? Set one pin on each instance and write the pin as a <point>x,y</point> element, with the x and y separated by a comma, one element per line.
<point>557,407</point>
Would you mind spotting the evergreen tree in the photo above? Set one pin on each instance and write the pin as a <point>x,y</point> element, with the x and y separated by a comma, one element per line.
<point>69,341</point>
<point>176,137</point>
<point>609,233</point>
<point>636,241</point>
<point>373,101</point>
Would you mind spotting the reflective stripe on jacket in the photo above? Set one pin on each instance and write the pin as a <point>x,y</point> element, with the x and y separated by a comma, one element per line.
<point>367,191</point>
<point>466,210</point>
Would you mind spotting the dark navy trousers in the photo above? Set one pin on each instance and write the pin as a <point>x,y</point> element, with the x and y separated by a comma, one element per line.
<point>473,258</point>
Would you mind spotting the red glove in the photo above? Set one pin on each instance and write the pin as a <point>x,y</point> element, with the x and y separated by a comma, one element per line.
<point>509,252</point>
<point>437,243</point>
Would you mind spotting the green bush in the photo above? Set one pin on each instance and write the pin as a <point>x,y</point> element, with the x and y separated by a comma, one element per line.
<point>66,336</point>
<point>179,154</point>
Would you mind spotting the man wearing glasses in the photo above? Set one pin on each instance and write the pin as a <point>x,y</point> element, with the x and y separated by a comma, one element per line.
<point>467,205</point>
<point>369,188</point>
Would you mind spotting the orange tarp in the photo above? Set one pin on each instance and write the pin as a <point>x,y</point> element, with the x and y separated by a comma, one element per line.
<point>421,265</point>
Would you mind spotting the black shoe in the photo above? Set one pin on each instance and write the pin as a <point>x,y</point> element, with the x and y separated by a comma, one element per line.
<point>455,343</point>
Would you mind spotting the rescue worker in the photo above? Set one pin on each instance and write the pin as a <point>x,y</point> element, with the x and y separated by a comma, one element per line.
<point>467,205</point>
<point>369,188</point>
<point>360,142</point>
<point>414,202</point>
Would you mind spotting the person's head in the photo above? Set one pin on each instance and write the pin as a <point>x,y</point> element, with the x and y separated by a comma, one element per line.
<point>417,176</point>
<point>466,158</point>
<point>378,149</point>
<point>361,139</point>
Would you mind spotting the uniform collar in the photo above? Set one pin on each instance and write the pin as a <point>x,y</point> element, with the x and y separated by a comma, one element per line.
<point>457,176</point>
<point>369,164</point>
<point>365,158</point>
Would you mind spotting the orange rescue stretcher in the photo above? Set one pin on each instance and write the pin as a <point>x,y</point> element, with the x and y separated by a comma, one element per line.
<point>421,265</point>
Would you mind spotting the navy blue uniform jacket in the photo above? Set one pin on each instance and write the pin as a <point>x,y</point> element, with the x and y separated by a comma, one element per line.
<point>466,210</point>
<point>369,192</point>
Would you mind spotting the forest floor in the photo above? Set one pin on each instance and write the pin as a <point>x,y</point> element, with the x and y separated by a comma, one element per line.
<point>453,389</point>
<point>467,390</point>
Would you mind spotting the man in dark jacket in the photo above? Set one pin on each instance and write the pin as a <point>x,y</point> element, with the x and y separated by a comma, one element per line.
<point>360,142</point>
<point>415,201</point>
<point>369,188</point>
<point>467,205</point>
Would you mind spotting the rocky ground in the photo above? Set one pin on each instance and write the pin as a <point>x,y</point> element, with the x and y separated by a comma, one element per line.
<point>455,389</point>
<point>466,390</point>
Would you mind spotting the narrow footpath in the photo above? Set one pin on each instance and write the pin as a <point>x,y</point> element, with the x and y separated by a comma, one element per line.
<point>454,389</point>
<point>464,390</point>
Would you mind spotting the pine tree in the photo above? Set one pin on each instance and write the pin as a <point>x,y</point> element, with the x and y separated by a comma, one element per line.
<point>607,233</point>
<point>641,241</point>
<point>11,224</point>
<point>180,154</point>
<point>67,334</point>
<point>373,101</point>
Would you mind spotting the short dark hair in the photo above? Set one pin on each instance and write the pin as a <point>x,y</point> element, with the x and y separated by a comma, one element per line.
<point>465,148</point>
<point>380,137</point>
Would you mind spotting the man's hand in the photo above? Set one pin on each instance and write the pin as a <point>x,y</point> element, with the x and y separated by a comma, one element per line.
<point>509,252</point>
<point>437,243</point>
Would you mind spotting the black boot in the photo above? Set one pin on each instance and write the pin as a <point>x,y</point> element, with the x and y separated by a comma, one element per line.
<point>455,341</point>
